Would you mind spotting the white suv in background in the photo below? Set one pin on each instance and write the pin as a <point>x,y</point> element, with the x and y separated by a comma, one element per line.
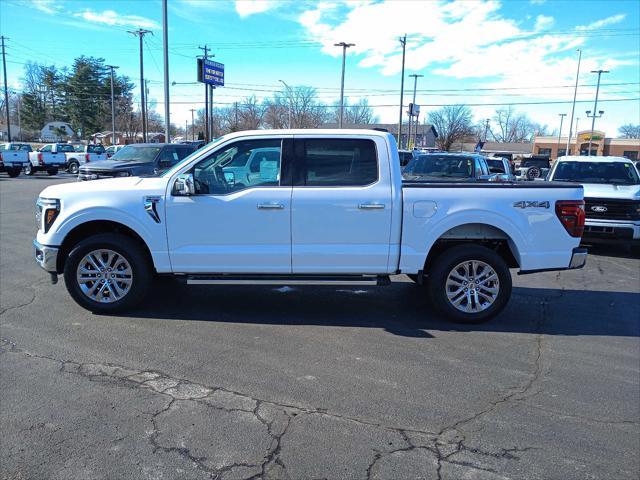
<point>611,196</point>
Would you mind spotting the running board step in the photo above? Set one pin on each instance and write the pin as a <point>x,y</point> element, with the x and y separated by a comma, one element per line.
<point>338,280</point>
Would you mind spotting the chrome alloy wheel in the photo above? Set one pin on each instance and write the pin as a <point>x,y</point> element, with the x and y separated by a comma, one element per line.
<point>104,276</point>
<point>472,286</point>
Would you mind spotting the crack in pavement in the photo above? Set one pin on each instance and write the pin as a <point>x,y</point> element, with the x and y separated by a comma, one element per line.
<point>27,303</point>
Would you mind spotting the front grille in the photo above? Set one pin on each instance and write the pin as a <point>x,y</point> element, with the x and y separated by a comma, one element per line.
<point>612,209</point>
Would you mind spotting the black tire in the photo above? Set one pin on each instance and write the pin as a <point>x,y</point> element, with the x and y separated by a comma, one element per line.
<point>73,167</point>
<point>52,171</point>
<point>131,251</point>
<point>533,173</point>
<point>28,169</point>
<point>443,266</point>
<point>14,172</point>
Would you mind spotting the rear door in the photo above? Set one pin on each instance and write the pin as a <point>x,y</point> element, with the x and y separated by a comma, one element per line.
<point>341,206</point>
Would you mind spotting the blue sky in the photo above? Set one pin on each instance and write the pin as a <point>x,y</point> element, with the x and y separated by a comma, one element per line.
<point>474,52</point>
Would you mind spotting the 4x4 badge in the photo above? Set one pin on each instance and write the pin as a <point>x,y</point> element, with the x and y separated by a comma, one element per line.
<point>534,204</point>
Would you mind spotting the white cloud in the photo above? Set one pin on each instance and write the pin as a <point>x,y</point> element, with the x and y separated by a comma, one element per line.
<point>543,22</point>
<point>602,23</point>
<point>112,18</point>
<point>537,2</point>
<point>46,6</point>
<point>251,7</point>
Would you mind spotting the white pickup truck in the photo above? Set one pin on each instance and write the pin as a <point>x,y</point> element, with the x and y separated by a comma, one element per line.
<point>330,209</point>
<point>84,154</point>
<point>49,158</point>
<point>14,157</point>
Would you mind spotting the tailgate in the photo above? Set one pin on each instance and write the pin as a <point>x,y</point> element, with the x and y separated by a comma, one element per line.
<point>9,157</point>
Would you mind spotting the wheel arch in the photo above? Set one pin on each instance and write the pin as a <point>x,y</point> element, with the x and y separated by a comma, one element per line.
<point>87,229</point>
<point>483,234</point>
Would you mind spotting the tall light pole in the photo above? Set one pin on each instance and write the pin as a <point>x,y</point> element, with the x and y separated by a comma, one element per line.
<point>595,107</point>
<point>165,48</point>
<point>6,91</point>
<point>573,107</point>
<point>344,55</point>
<point>403,41</point>
<point>113,108</point>
<point>415,86</point>
<point>486,129</point>
<point>141,33</point>
<point>562,115</point>
<point>290,100</point>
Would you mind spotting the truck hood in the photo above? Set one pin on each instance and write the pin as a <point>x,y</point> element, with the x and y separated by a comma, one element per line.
<point>598,190</point>
<point>114,165</point>
<point>150,186</point>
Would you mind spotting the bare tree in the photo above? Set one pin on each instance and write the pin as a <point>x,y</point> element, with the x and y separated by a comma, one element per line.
<point>452,123</point>
<point>512,126</point>
<point>251,114</point>
<point>301,103</point>
<point>358,114</point>
<point>629,131</point>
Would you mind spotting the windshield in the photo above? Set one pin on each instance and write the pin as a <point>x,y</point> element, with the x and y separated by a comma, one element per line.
<point>132,153</point>
<point>20,147</point>
<point>95,149</point>
<point>442,166</point>
<point>65,148</point>
<point>620,173</point>
<point>198,152</point>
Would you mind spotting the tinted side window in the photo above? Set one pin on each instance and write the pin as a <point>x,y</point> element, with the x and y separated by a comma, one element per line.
<point>337,162</point>
<point>184,152</point>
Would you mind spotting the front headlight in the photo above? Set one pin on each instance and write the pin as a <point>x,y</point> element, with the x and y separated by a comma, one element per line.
<point>47,210</point>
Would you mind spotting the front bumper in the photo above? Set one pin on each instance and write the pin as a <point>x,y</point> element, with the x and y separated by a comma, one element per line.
<point>46,257</point>
<point>578,260</point>
<point>603,231</point>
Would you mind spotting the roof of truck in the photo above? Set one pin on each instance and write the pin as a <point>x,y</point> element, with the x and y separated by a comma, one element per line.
<point>596,159</point>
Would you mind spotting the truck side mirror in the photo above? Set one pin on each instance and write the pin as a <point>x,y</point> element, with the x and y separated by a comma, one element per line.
<point>184,186</point>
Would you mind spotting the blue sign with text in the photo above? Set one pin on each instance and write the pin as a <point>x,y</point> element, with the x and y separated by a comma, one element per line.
<point>211,72</point>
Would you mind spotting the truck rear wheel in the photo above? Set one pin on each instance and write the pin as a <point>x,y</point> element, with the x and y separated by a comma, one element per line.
<point>107,273</point>
<point>14,172</point>
<point>73,167</point>
<point>469,283</point>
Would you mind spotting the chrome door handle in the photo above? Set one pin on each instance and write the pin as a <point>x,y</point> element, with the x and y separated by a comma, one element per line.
<point>371,206</point>
<point>270,206</point>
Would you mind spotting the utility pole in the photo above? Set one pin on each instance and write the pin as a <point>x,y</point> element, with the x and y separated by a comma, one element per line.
<point>140,33</point>
<point>186,129</point>
<point>562,115</point>
<point>165,48</point>
<point>192,130</point>
<point>486,130</point>
<point>205,49</point>
<point>146,101</point>
<point>236,109</point>
<point>415,86</point>
<point>573,107</point>
<point>6,90</point>
<point>595,107</point>
<point>290,100</point>
<point>211,88</point>
<point>403,41</point>
<point>344,55</point>
<point>113,108</point>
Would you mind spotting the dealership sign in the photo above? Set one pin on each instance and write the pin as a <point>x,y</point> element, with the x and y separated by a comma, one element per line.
<point>210,72</point>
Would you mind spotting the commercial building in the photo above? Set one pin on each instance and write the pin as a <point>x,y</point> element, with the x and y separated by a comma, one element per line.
<point>579,145</point>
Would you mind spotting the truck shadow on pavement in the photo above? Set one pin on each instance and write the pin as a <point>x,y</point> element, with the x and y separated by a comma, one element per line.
<point>401,309</point>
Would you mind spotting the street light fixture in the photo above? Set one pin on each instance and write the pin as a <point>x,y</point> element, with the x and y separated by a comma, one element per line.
<point>595,108</point>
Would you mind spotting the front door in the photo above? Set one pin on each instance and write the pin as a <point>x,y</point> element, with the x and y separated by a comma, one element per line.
<point>341,207</point>
<point>232,225</point>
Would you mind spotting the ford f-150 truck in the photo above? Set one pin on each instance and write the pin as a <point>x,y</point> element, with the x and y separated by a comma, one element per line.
<point>14,157</point>
<point>612,196</point>
<point>331,209</point>
<point>49,158</point>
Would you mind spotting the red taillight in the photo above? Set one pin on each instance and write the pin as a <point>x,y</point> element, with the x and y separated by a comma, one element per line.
<point>571,215</point>
<point>86,157</point>
<point>0,157</point>
<point>40,160</point>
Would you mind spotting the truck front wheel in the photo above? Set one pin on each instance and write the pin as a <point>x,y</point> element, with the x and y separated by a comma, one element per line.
<point>469,283</point>
<point>107,273</point>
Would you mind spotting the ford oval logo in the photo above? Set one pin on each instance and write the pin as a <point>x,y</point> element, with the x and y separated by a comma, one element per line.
<point>599,208</point>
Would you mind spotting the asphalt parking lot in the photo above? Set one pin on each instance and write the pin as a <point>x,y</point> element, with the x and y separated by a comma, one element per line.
<point>301,383</point>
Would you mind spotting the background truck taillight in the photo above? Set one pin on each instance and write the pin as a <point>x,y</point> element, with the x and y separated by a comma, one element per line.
<point>571,215</point>
<point>40,160</point>
<point>86,157</point>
